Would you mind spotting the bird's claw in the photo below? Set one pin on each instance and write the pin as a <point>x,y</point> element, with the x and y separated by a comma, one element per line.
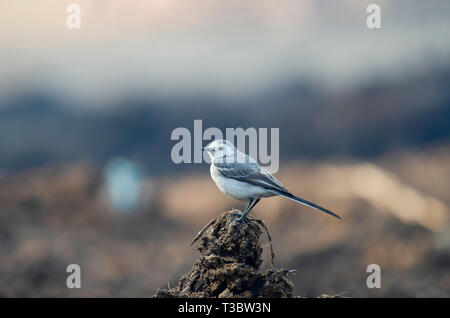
<point>240,217</point>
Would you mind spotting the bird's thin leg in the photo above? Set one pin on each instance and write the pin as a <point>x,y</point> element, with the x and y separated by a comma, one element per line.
<point>250,206</point>
<point>240,214</point>
<point>253,205</point>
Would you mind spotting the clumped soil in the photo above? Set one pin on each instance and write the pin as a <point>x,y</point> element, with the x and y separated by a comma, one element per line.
<point>229,262</point>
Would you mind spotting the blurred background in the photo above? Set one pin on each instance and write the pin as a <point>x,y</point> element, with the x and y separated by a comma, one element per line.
<point>86,115</point>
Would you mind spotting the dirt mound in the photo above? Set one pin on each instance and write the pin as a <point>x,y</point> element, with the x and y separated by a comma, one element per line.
<point>228,266</point>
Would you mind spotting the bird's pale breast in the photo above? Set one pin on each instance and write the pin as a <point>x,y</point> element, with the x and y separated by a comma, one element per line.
<point>237,189</point>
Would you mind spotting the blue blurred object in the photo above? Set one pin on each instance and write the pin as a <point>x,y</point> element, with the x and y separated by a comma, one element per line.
<point>123,183</point>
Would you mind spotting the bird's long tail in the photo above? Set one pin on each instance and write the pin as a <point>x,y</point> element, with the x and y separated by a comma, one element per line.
<point>307,203</point>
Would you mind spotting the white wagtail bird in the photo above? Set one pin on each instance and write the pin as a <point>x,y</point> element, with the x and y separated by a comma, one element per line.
<point>241,177</point>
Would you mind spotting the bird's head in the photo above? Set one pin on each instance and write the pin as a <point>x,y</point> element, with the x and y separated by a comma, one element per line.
<point>219,149</point>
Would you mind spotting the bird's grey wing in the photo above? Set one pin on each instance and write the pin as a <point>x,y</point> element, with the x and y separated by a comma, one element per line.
<point>251,173</point>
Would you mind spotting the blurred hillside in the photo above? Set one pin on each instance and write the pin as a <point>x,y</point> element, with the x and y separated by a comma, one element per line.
<point>411,113</point>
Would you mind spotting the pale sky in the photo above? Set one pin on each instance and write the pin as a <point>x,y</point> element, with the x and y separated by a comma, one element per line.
<point>231,48</point>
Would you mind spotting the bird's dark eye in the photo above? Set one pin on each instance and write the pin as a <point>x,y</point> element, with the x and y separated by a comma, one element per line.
<point>220,148</point>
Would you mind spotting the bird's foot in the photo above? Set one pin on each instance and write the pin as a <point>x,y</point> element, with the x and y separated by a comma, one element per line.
<point>243,219</point>
<point>240,217</point>
<point>237,213</point>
